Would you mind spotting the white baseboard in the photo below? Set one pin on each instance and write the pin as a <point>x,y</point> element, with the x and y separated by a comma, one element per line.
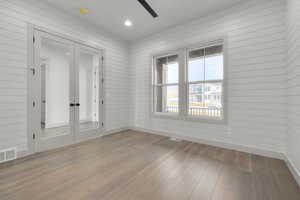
<point>237,147</point>
<point>112,131</point>
<point>293,169</point>
<point>24,153</point>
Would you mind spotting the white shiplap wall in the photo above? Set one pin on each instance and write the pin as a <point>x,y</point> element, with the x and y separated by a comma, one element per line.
<point>14,15</point>
<point>257,100</point>
<point>293,79</point>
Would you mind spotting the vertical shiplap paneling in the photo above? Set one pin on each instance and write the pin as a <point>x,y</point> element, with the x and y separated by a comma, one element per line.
<point>293,79</point>
<point>255,32</point>
<point>14,15</point>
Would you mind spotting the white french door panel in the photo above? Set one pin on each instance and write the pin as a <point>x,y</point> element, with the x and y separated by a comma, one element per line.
<point>67,91</point>
<point>53,91</point>
<point>88,92</point>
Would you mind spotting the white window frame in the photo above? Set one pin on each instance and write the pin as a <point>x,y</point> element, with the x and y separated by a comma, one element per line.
<point>183,102</point>
<point>154,84</point>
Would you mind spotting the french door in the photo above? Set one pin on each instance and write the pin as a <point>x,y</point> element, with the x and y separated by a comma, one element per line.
<point>67,91</point>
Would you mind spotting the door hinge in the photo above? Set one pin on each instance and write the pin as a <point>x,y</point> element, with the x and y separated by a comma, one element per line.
<point>102,58</point>
<point>102,80</point>
<point>33,103</point>
<point>33,136</point>
<point>33,71</point>
<point>33,39</point>
<point>102,124</point>
<point>102,102</point>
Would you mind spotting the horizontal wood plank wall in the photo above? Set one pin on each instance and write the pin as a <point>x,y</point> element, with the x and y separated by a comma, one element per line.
<point>293,79</point>
<point>14,15</point>
<point>257,98</point>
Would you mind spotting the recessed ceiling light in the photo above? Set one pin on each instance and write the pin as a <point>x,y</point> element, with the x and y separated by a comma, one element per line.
<point>83,10</point>
<point>128,23</point>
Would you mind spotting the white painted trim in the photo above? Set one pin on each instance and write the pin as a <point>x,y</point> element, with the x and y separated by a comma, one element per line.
<point>292,167</point>
<point>237,147</point>
<point>113,131</point>
<point>55,125</point>
<point>22,154</point>
<point>30,66</point>
<point>67,37</point>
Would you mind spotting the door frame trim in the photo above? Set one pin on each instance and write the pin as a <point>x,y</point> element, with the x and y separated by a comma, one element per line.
<point>31,28</point>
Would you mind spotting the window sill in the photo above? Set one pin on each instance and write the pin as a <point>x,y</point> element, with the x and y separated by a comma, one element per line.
<point>189,118</point>
<point>166,116</point>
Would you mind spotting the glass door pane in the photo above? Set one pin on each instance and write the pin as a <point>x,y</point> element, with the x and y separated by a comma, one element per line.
<point>89,84</point>
<point>55,58</point>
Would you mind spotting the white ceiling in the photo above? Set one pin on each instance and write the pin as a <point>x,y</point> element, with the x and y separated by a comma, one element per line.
<point>111,14</point>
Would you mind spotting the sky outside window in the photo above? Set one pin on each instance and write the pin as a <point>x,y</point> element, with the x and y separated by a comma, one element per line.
<point>213,68</point>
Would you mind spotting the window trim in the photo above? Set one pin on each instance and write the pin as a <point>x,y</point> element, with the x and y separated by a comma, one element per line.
<point>182,52</point>
<point>153,84</point>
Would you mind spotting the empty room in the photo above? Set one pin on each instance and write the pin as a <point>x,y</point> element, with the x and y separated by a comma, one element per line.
<point>149,100</point>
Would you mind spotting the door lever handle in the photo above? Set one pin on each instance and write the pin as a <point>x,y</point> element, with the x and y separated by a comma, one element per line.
<point>77,104</point>
<point>72,104</point>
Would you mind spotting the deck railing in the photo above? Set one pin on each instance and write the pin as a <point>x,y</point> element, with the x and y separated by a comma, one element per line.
<point>198,111</point>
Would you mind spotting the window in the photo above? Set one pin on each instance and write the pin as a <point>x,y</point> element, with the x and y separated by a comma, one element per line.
<point>191,89</point>
<point>205,79</point>
<point>166,84</point>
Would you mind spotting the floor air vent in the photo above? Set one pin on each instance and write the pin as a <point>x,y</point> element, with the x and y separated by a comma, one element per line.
<point>8,154</point>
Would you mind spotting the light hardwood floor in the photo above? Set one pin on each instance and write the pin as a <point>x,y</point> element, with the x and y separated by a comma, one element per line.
<point>140,166</point>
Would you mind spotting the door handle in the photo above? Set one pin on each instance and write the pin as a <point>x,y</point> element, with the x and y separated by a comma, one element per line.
<point>77,104</point>
<point>72,104</point>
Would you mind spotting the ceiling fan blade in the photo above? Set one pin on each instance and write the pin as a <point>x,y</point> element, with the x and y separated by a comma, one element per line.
<point>148,8</point>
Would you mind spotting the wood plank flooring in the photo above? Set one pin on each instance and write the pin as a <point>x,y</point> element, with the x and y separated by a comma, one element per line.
<point>140,166</point>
